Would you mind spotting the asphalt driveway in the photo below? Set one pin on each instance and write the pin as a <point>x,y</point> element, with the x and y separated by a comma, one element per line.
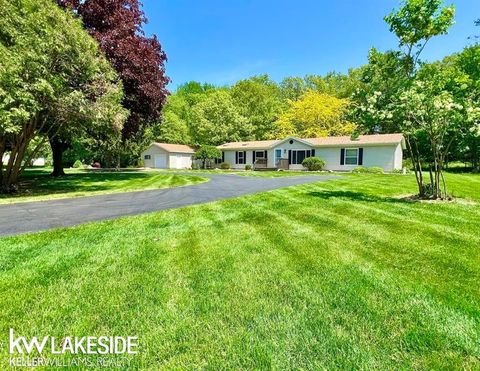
<point>37,216</point>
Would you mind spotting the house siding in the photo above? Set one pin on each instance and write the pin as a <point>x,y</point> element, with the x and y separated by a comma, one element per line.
<point>180,160</point>
<point>152,151</point>
<point>174,160</point>
<point>286,146</point>
<point>385,157</point>
<point>388,157</point>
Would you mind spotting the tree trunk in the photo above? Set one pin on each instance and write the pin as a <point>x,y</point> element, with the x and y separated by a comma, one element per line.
<point>58,147</point>
<point>417,166</point>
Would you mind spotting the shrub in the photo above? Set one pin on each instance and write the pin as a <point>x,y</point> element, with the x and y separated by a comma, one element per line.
<point>248,167</point>
<point>375,170</point>
<point>78,164</point>
<point>195,165</point>
<point>359,170</point>
<point>400,171</point>
<point>225,166</point>
<point>369,170</point>
<point>313,164</point>
<point>407,163</point>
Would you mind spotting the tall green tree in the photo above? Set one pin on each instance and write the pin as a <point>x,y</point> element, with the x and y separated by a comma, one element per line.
<point>177,123</point>
<point>292,88</point>
<point>467,146</point>
<point>380,83</point>
<point>216,120</point>
<point>258,100</point>
<point>53,78</point>
<point>334,84</point>
<point>435,107</point>
<point>415,24</point>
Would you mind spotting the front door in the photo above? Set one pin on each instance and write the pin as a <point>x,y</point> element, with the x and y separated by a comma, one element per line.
<point>278,156</point>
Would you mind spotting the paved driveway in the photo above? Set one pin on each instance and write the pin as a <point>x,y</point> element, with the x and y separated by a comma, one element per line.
<point>37,216</point>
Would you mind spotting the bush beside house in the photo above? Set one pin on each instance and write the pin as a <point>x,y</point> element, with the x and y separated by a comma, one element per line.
<point>313,164</point>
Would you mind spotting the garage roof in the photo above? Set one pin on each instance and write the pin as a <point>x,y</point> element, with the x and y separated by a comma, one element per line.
<point>176,148</point>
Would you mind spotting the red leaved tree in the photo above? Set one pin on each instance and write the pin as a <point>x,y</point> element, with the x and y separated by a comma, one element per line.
<point>139,60</point>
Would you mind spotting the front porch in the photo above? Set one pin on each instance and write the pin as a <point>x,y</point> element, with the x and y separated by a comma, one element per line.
<point>262,164</point>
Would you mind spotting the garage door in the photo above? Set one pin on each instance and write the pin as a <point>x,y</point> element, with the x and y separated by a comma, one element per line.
<point>180,161</point>
<point>160,161</point>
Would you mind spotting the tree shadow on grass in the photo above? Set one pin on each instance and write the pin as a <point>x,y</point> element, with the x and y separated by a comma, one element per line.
<point>41,183</point>
<point>357,196</point>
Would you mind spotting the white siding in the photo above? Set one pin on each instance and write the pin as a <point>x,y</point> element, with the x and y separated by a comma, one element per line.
<point>230,158</point>
<point>398,157</point>
<point>152,151</point>
<point>285,147</point>
<point>388,157</point>
<point>331,156</point>
<point>173,160</point>
<point>180,161</point>
<point>381,156</point>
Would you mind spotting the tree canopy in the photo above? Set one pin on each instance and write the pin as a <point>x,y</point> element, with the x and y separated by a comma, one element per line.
<point>53,78</point>
<point>315,115</point>
<point>216,120</point>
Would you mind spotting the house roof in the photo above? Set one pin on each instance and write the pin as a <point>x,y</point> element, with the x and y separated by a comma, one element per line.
<point>376,139</point>
<point>256,144</point>
<point>362,139</point>
<point>178,148</point>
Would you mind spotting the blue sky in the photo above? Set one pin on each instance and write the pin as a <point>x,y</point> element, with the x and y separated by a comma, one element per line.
<point>221,42</point>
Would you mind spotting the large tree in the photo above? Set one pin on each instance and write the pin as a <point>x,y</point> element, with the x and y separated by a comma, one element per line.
<point>315,115</point>
<point>381,82</point>
<point>139,60</point>
<point>415,24</point>
<point>216,120</point>
<point>258,100</point>
<point>436,107</point>
<point>175,121</point>
<point>178,123</point>
<point>53,78</point>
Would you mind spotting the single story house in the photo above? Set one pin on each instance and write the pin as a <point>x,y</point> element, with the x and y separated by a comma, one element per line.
<point>340,153</point>
<point>168,156</point>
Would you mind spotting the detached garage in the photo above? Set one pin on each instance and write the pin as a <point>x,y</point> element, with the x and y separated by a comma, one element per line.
<point>168,156</point>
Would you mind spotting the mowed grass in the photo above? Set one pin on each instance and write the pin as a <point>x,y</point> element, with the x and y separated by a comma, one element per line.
<point>38,185</point>
<point>341,274</point>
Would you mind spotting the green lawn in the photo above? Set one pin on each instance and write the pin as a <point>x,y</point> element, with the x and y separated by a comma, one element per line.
<point>37,185</point>
<point>341,274</point>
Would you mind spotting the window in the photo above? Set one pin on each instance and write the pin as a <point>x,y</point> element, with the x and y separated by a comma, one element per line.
<point>147,157</point>
<point>241,157</point>
<point>259,154</point>
<point>220,160</point>
<point>297,156</point>
<point>351,156</point>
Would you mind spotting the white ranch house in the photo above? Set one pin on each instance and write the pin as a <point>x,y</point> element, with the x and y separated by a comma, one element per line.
<point>339,153</point>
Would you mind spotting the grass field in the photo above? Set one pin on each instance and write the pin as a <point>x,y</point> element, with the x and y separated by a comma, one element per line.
<point>37,185</point>
<point>341,274</point>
